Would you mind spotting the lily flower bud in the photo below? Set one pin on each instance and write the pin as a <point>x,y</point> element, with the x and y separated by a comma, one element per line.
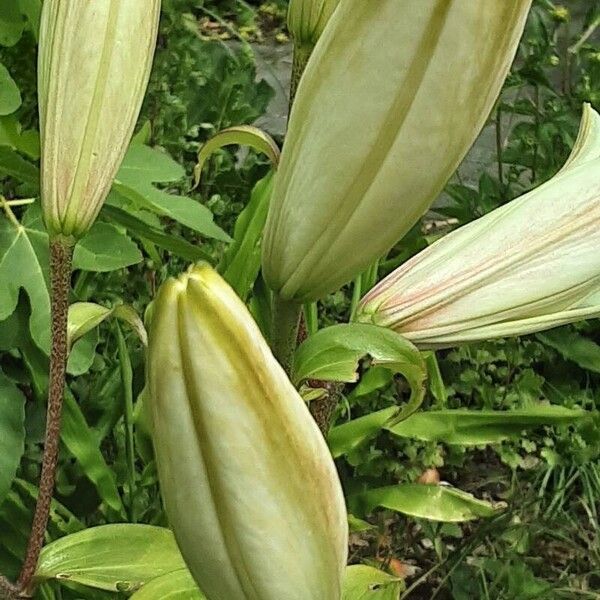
<point>94,65</point>
<point>249,484</point>
<point>306,20</point>
<point>392,99</point>
<point>527,266</point>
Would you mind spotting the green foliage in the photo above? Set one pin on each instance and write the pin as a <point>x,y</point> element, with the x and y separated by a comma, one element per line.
<point>543,544</point>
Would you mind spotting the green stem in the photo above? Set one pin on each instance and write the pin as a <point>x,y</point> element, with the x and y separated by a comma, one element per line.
<point>356,295</point>
<point>127,381</point>
<point>284,331</point>
<point>311,317</point>
<point>61,254</point>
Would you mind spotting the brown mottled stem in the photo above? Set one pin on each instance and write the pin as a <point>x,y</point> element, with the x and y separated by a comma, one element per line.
<point>322,409</point>
<point>61,253</point>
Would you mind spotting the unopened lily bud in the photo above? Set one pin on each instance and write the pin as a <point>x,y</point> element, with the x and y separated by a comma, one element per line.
<point>94,64</point>
<point>249,485</point>
<point>527,266</point>
<point>392,99</point>
<point>307,19</point>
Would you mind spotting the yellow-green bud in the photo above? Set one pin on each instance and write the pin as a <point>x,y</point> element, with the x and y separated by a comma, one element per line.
<point>94,63</point>
<point>249,485</point>
<point>307,19</point>
<point>527,266</point>
<point>393,97</point>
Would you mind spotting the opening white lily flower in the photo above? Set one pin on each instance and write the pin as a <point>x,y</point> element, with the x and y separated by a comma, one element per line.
<point>527,266</point>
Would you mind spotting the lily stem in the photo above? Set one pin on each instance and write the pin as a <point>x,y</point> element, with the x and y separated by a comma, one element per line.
<point>284,331</point>
<point>61,254</point>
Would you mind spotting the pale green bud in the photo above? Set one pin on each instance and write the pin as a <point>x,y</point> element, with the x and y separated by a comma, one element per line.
<point>94,64</point>
<point>249,485</point>
<point>392,98</point>
<point>307,19</point>
<point>527,266</point>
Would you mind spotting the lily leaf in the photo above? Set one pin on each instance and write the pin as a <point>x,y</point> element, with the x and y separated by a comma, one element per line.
<point>116,558</point>
<point>86,316</point>
<point>241,262</point>
<point>473,428</point>
<point>179,585</point>
<point>334,354</point>
<point>368,583</point>
<point>432,502</point>
<point>242,135</point>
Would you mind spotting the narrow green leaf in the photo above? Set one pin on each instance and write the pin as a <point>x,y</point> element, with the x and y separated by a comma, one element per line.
<point>345,438</point>
<point>368,583</point>
<point>179,585</point>
<point>25,141</point>
<point>473,428</point>
<point>241,262</point>
<point>10,95</point>
<point>79,439</point>
<point>111,557</point>
<point>12,432</point>
<point>242,135</point>
<point>14,165</point>
<point>436,383</point>
<point>432,502</point>
<point>172,243</point>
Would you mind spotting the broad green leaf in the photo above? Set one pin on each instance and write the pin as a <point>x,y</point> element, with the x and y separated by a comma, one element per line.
<point>81,442</point>
<point>105,248</point>
<point>12,23</point>
<point>12,432</point>
<point>141,169</point>
<point>10,95</point>
<point>241,262</point>
<point>179,585</point>
<point>32,10</point>
<point>139,228</point>
<point>473,428</point>
<point>334,354</point>
<point>111,557</point>
<point>82,354</point>
<point>368,583</point>
<point>86,316</point>
<point>345,438</point>
<point>242,135</point>
<point>432,502</point>
<point>24,264</point>
<point>574,347</point>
